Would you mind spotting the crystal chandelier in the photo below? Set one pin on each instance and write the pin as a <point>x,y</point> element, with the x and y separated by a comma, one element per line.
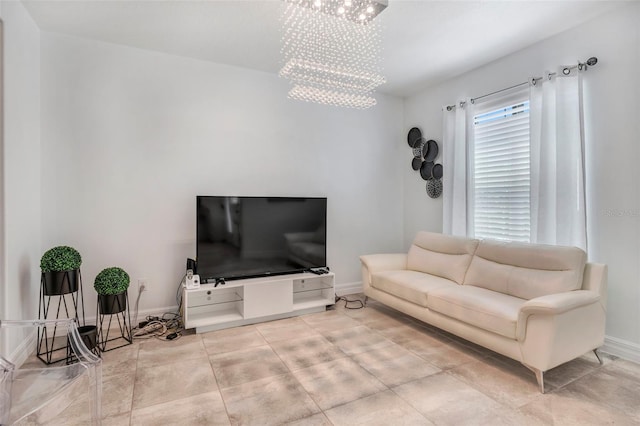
<point>331,51</point>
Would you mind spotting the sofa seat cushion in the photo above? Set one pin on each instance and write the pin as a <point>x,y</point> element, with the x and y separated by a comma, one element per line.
<point>411,286</point>
<point>478,306</point>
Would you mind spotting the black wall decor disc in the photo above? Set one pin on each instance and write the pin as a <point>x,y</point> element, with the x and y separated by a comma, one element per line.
<point>425,170</point>
<point>437,171</point>
<point>434,188</point>
<point>430,150</point>
<point>418,146</point>
<point>413,136</point>
<point>416,163</point>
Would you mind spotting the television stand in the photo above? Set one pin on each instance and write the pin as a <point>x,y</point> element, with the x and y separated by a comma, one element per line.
<point>254,300</point>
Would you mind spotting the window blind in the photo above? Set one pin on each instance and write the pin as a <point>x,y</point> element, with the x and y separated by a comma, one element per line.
<point>501,175</point>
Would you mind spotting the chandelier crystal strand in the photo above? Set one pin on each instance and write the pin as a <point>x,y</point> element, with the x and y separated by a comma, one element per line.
<point>331,51</point>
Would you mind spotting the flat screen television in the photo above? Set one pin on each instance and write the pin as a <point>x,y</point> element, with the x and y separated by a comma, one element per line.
<point>244,237</point>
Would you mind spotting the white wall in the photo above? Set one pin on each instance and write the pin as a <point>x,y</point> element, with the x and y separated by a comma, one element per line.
<point>130,137</point>
<point>21,164</point>
<point>612,113</point>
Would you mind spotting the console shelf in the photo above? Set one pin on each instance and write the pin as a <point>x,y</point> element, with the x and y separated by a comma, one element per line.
<point>204,319</point>
<point>311,292</point>
<point>255,300</point>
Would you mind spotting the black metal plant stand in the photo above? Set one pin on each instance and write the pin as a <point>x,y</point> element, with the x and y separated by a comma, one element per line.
<point>89,336</point>
<point>68,301</point>
<point>118,307</point>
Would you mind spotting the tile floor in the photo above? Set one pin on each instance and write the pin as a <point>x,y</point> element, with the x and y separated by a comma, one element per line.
<point>371,366</point>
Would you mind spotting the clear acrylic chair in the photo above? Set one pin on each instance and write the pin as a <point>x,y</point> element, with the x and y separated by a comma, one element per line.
<point>36,392</point>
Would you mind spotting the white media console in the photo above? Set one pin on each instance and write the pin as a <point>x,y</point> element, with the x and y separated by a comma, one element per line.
<point>253,300</point>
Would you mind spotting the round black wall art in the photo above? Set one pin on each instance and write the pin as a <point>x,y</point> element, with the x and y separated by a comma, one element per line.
<point>434,188</point>
<point>413,136</point>
<point>425,152</point>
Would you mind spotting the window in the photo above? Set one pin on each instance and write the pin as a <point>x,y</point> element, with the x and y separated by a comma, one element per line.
<point>501,178</point>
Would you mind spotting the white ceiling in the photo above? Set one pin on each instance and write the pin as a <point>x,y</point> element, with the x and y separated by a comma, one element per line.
<point>425,42</point>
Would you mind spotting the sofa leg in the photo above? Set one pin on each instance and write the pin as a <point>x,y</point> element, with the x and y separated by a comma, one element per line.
<point>595,351</point>
<point>540,379</point>
<point>365,300</point>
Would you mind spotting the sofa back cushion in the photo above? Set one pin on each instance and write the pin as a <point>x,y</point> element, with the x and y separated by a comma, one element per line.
<point>526,270</point>
<point>442,255</point>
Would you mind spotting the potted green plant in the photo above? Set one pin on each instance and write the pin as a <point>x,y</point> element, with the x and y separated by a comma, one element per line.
<point>111,285</point>
<point>60,268</point>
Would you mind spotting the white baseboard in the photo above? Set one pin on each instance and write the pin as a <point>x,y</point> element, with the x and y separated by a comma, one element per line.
<point>621,348</point>
<point>348,288</point>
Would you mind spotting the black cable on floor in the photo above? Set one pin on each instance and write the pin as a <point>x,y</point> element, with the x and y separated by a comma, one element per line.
<point>347,301</point>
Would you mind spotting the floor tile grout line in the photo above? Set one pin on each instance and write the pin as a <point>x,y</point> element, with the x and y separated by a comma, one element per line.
<point>154,366</point>
<point>301,368</point>
<point>135,380</point>
<point>413,352</point>
<point>300,384</point>
<point>447,371</point>
<point>289,372</point>
<point>393,389</point>
<point>452,341</point>
<point>219,389</point>
<point>604,404</point>
<point>589,373</point>
<point>350,357</point>
<point>475,386</point>
<point>133,393</point>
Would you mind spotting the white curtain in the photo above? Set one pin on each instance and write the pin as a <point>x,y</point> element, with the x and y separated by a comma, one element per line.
<point>558,213</point>
<point>454,159</point>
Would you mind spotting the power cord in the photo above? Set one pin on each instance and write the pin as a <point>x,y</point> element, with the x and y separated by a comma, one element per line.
<point>347,301</point>
<point>179,294</point>
<point>150,328</point>
<point>135,315</point>
<point>167,327</point>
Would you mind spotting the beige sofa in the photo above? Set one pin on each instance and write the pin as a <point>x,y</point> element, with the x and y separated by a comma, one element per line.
<point>540,305</point>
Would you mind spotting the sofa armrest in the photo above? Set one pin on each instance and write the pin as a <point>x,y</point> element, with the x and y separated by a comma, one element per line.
<point>384,262</point>
<point>556,328</point>
<point>553,304</point>
<point>595,279</point>
<point>380,262</point>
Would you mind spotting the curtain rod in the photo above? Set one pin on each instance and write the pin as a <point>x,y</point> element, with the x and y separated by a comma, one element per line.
<point>566,71</point>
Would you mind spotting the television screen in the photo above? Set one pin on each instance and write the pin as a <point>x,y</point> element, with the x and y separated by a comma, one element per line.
<point>241,237</point>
